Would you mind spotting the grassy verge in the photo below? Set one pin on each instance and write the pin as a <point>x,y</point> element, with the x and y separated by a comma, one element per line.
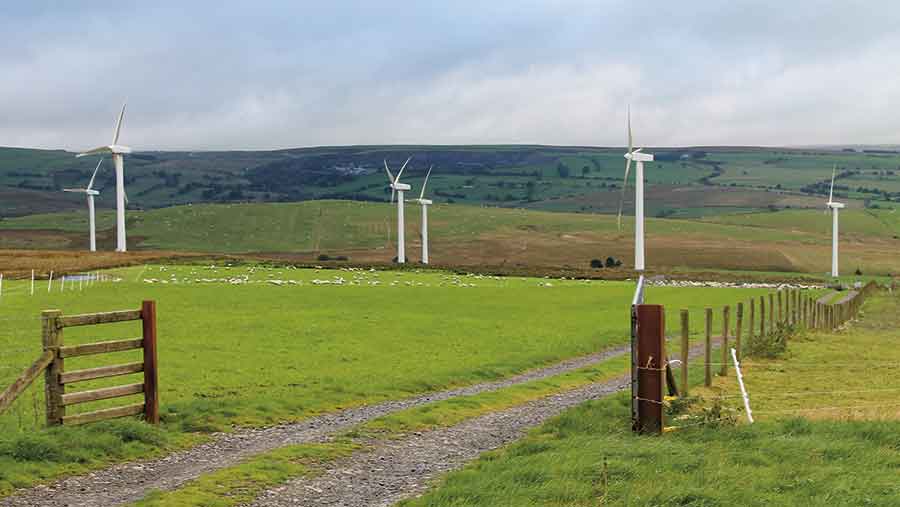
<point>244,482</point>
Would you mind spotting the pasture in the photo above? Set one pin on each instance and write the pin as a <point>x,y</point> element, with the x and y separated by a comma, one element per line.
<point>253,345</point>
<point>826,433</point>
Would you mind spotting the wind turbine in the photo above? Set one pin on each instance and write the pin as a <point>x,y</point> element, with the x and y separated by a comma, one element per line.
<point>117,152</point>
<point>399,188</point>
<point>835,206</point>
<point>424,203</point>
<point>639,159</point>
<point>90,193</point>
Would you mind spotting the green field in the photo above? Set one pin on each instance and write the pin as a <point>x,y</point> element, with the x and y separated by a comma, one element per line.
<point>846,457</point>
<point>790,241</point>
<point>257,353</point>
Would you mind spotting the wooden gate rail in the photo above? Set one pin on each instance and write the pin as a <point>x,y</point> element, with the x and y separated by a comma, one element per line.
<point>52,364</point>
<point>57,378</point>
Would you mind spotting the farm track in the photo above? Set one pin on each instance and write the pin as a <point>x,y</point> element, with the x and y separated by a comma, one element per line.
<point>129,482</point>
<point>404,468</point>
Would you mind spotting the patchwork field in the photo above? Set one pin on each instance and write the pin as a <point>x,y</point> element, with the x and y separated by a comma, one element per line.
<point>254,345</point>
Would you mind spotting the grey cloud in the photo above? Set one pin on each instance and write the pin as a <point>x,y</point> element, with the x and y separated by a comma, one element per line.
<point>214,75</point>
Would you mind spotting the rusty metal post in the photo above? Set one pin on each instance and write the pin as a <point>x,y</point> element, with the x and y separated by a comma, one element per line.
<point>651,355</point>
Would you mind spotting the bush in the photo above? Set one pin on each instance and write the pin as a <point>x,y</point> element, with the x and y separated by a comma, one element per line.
<point>324,257</point>
<point>858,272</point>
<point>773,344</point>
<point>596,263</point>
<point>612,262</point>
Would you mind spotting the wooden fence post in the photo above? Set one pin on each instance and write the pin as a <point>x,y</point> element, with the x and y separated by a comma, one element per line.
<point>750,329</point>
<point>762,316</point>
<point>53,390</point>
<point>738,325</point>
<point>726,321</point>
<point>780,308</point>
<point>151,377</point>
<point>651,358</point>
<point>685,350</point>
<point>707,356</point>
<point>771,313</point>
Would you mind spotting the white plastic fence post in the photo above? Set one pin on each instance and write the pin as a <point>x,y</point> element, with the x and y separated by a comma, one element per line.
<point>50,281</point>
<point>740,377</point>
<point>1,284</point>
<point>32,282</point>
<point>80,279</point>
<point>62,285</point>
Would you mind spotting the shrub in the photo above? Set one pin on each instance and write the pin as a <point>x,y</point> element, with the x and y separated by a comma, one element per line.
<point>773,344</point>
<point>858,272</point>
<point>596,263</point>
<point>324,257</point>
<point>612,262</point>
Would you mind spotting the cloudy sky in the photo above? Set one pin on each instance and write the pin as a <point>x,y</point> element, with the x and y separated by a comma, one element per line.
<point>258,75</point>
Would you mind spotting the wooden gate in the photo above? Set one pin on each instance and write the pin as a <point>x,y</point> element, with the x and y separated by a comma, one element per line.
<point>57,378</point>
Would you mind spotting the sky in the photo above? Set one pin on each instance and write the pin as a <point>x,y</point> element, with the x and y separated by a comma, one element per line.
<point>204,75</point>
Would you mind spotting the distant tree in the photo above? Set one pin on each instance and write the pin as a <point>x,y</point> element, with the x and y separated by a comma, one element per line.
<point>596,263</point>
<point>858,272</point>
<point>563,170</point>
<point>585,170</point>
<point>612,262</point>
<point>530,190</point>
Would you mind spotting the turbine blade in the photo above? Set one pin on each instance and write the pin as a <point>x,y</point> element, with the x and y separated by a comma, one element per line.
<point>401,169</point>
<point>73,190</point>
<point>91,183</point>
<point>390,176</point>
<point>422,194</point>
<point>95,151</point>
<point>630,140</point>
<point>125,194</point>
<point>622,197</point>
<point>831,192</point>
<point>119,126</point>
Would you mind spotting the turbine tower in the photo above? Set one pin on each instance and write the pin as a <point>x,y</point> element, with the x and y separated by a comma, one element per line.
<point>424,203</point>
<point>90,193</point>
<point>398,188</point>
<point>835,206</point>
<point>117,152</point>
<point>639,159</point>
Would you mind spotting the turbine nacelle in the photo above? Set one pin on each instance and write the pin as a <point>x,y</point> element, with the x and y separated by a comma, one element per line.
<point>836,205</point>
<point>638,156</point>
<point>423,202</point>
<point>401,187</point>
<point>87,191</point>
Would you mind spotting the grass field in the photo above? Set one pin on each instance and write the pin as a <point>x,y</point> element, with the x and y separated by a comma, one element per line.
<point>789,241</point>
<point>257,353</point>
<point>845,457</point>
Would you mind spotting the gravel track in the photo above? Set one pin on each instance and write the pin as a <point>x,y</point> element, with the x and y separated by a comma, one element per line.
<point>401,469</point>
<point>131,481</point>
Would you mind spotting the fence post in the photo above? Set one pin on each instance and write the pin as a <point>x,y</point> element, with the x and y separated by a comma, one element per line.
<point>771,313</point>
<point>762,316</point>
<point>151,377</point>
<point>685,350</point>
<point>52,339</point>
<point>707,356</point>
<point>651,373</point>
<point>780,307</point>
<point>737,328</point>
<point>726,320</point>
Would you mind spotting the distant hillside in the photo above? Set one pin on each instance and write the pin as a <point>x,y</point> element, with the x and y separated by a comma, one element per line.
<point>787,241</point>
<point>577,179</point>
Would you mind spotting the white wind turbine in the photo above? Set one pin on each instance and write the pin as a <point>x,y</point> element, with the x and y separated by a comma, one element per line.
<point>90,193</point>
<point>399,188</point>
<point>639,158</point>
<point>117,152</point>
<point>424,203</point>
<point>835,206</point>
